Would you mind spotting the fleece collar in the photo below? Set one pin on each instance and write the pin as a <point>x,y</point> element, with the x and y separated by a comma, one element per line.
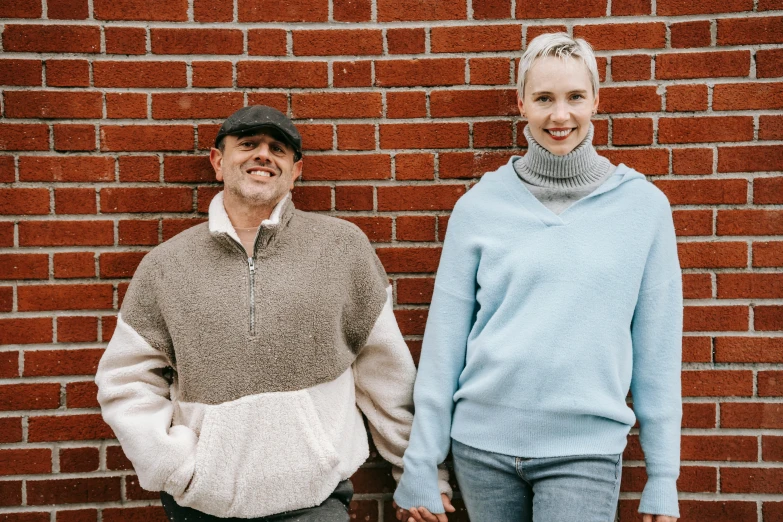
<point>220,224</point>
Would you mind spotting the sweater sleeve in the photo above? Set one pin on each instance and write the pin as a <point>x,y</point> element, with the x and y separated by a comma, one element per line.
<point>451,316</point>
<point>656,331</point>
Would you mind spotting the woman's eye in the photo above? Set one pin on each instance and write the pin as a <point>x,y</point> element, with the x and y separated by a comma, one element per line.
<point>543,98</point>
<point>577,97</point>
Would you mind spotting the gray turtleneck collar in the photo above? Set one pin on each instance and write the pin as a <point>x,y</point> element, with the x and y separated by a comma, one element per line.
<point>560,181</point>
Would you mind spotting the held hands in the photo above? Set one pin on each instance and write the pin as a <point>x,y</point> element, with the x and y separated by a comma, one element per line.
<point>658,518</point>
<point>423,515</point>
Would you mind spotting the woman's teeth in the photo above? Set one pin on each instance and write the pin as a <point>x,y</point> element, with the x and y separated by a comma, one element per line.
<point>559,133</point>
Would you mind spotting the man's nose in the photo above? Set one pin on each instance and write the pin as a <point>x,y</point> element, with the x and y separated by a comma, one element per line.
<point>262,152</point>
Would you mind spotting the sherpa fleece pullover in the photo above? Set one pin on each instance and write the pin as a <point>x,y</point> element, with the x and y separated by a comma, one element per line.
<point>540,323</point>
<point>271,354</point>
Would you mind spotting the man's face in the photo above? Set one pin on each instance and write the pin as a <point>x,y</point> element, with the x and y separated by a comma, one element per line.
<point>256,170</point>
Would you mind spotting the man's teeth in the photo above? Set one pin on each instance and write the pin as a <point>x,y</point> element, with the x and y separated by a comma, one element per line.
<point>560,133</point>
<point>261,173</point>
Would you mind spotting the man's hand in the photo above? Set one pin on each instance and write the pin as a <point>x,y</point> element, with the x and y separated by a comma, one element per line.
<point>658,518</point>
<point>422,514</point>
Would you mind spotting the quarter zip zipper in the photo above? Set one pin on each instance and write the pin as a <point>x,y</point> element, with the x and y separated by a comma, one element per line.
<point>252,266</point>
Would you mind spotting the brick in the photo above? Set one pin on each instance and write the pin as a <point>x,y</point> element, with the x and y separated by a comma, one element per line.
<point>79,460</point>
<point>772,450</point>
<point>204,197</point>
<point>38,396</point>
<point>67,73</point>
<point>445,104</point>
<point>188,169</point>
<point>356,137</point>
<point>21,9</point>
<point>411,322</point>
<point>77,515</point>
<point>6,233</point>
<point>684,7</point>
<point>686,98</point>
<point>745,31</point>
<point>537,9</point>
<point>768,318</point>
<point>139,168</point>
<point>629,99</point>
<point>702,65</point>
<point>750,159</point>
<point>206,11</point>
<point>717,383</point>
<point>277,100</point>
<point>15,136</point>
<point>409,260</point>
<point>424,72</point>
<point>126,105</point>
<point>53,38</point>
<point>623,36</point>
<point>696,349</point>
<point>51,104</point>
<point>139,74</point>
<point>419,197</point>
<point>281,74</point>
<point>159,199</point>
<point>74,265</point>
<point>33,330</point>
<point>181,106</point>
<point>77,329</point>
<point>491,9</point>
<point>74,137</point>
<point>687,35</point>
<point>141,232</point>
<point>116,459</point>
<point>750,286</point>
<point>770,127</point>
<point>73,491</point>
<point>352,10</point>
<point>11,493</point>
<point>7,169</point>
<point>133,490</point>
<point>144,138</point>
<point>632,67</point>
<point>24,266</point>
<point>405,40</point>
<point>170,10</point>
<point>767,254</point>
<point>749,349</point>
<point>489,71</point>
<point>81,395</point>
<point>476,39</point>
<point>715,318</point>
<point>424,135</point>
<point>632,7</point>
<point>312,198</point>
<point>406,104</point>
<point>125,40</point>
<point>772,511</point>
<point>266,42</point>
<point>533,31</point>
<point>75,201</point>
<point>736,96</point>
<point>698,415</point>
<point>377,229</point>
<point>289,11</point>
<point>470,165</point>
<point>137,514</point>
<point>66,168</point>
<point>24,201</point>
<point>339,42</point>
<point>415,228</point>
<point>108,324</point>
<point>758,415</point>
<point>692,161</point>
<point>492,134</point>
<point>337,105</point>
<point>769,5</point>
<point>632,131</point>
<point>769,63</point>
<point>119,264</point>
<point>719,448</point>
<point>21,72</point>
<point>10,431</point>
<point>315,136</point>
<point>415,290</point>
<point>770,384</point>
<point>416,10</point>
<point>352,74</point>
<point>25,461</point>
<point>751,480</point>
<point>750,222</point>
<point>172,227</point>
<point>197,41</point>
<point>65,297</point>
<point>213,74</point>
<point>704,191</point>
<point>692,479</point>
<point>68,428</point>
<point>647,161</point>
<point>9,364</point>
<point>353,197</point>
<point>347,167</point>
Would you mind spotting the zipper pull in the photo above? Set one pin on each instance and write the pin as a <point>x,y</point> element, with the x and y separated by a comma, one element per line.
<point>251,264</point>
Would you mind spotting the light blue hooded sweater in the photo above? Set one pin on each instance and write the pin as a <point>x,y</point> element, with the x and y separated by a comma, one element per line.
<point>539,325</point>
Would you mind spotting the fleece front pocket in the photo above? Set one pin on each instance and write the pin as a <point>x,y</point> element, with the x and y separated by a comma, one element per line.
<point>261,455</point>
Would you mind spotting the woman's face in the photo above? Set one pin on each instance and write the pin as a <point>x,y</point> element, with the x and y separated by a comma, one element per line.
<point>558,103</point>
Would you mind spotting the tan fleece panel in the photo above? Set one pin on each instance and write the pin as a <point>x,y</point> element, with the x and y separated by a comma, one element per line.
<point>319,288</point>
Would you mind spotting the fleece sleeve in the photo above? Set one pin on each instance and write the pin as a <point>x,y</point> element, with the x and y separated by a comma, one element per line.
<point>656,332</point>
<point>384,374</point>
<point>451,316</point>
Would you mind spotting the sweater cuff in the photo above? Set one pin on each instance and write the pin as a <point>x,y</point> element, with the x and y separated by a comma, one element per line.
<point>660,497</point>
<point>420,487</point>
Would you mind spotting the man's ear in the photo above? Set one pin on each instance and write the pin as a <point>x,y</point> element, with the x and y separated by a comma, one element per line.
<point>296,172</point>
<point>216,158</point>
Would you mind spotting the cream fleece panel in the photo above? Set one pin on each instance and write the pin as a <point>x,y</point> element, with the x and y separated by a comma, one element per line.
<point>134,399</point>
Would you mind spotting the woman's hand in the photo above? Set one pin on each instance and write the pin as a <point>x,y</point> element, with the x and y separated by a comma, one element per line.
<point>422,514</point>
<point>658,518</point>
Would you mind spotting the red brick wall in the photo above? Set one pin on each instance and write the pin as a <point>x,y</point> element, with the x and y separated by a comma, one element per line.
<point>109,107</point>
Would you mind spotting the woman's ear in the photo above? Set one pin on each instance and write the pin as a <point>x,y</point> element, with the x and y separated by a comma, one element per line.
<point>521,105</point>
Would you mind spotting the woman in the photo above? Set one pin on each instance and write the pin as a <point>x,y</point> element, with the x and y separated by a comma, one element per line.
<point>559,288</point>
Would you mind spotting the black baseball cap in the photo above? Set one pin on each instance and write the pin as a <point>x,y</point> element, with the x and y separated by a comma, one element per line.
<point>257,117</point>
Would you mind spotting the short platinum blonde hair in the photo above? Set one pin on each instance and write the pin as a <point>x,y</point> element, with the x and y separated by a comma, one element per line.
<point>562,46</point>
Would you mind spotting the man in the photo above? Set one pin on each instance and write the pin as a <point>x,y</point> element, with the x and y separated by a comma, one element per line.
<point>244,346</point>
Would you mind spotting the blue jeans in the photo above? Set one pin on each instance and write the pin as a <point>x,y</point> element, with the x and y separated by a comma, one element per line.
<point>501,488</point>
